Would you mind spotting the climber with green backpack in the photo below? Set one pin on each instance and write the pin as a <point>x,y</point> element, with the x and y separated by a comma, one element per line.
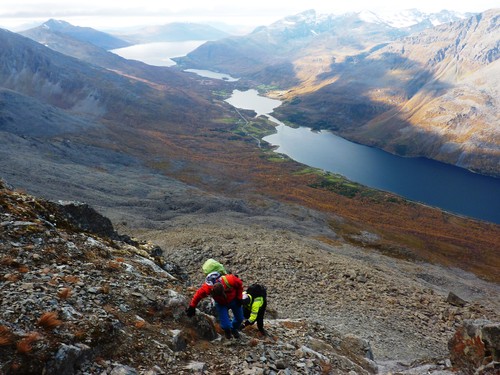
<point>211,265</point>
<point>226,291</point>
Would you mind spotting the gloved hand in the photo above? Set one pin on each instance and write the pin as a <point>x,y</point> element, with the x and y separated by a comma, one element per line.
<point>247,323</point>
<point>190,311</point>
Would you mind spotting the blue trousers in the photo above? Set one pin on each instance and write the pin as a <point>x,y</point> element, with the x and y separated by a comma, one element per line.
<point>223,314</point>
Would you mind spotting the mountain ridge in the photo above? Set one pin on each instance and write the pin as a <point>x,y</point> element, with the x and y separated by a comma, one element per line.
<point>413,19</point>
<point>84,34</point>
<point>345,33</point>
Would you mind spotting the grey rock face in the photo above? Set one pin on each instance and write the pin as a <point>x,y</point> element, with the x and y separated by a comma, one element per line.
<point>68,358</point>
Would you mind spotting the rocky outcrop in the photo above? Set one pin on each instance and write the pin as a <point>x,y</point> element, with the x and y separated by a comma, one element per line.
<point>455,300</point>
<point>87,219</point>
<point>475,347</point>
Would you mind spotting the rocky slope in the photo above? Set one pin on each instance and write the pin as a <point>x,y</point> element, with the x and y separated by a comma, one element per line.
<point>77,298</point>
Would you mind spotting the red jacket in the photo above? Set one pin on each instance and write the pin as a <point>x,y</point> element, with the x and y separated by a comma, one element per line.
<point>233,286</point>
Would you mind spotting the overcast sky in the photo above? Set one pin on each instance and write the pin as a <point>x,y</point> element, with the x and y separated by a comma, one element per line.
<point>108,15</point>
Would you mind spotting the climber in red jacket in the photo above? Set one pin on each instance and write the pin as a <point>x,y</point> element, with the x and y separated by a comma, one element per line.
<point>227,292</point>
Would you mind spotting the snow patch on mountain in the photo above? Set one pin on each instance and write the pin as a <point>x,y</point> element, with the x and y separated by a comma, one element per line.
<point>396,19</point>
<point>410,17</point>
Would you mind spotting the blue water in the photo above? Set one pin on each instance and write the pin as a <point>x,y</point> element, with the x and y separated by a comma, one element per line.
<point>427,181</point>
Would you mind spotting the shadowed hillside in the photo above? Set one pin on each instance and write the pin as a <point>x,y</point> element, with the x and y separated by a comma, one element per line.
<point>432,94</point>
<point>71,84</point>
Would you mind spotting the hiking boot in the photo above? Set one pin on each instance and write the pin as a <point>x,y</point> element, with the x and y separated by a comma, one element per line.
<point>227,333</point>
<point>236,334</point>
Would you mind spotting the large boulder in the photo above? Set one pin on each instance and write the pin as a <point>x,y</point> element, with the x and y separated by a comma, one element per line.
<point>475,347</point>
<point>67,359</point>
<point>85,218</point>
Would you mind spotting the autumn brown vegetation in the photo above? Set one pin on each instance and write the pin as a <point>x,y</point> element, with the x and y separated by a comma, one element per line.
<point>25,345</point>
<point>216,159</point>
<point>5,336</point>
<point>49,320</point>
<point>71,279</point>
<point>140,324</point>
<point>64,293</point>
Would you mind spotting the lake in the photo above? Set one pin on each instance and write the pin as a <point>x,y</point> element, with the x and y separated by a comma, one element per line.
<point>423,180</point>
<point>250,99</point>
<point>210,74</point>
<point>158,54</point>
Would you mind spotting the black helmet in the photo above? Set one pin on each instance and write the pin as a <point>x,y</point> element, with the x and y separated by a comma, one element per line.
<point>245,300</point>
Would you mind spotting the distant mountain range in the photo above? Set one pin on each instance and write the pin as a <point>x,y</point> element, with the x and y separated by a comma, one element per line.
<point>171,32</point>
<point>413,19</point>
<point>175,32</point>
<point>319,37</point>
<point>431,93</point>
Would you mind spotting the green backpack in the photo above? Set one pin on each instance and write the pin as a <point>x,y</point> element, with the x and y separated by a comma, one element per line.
<point>211,265</point>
